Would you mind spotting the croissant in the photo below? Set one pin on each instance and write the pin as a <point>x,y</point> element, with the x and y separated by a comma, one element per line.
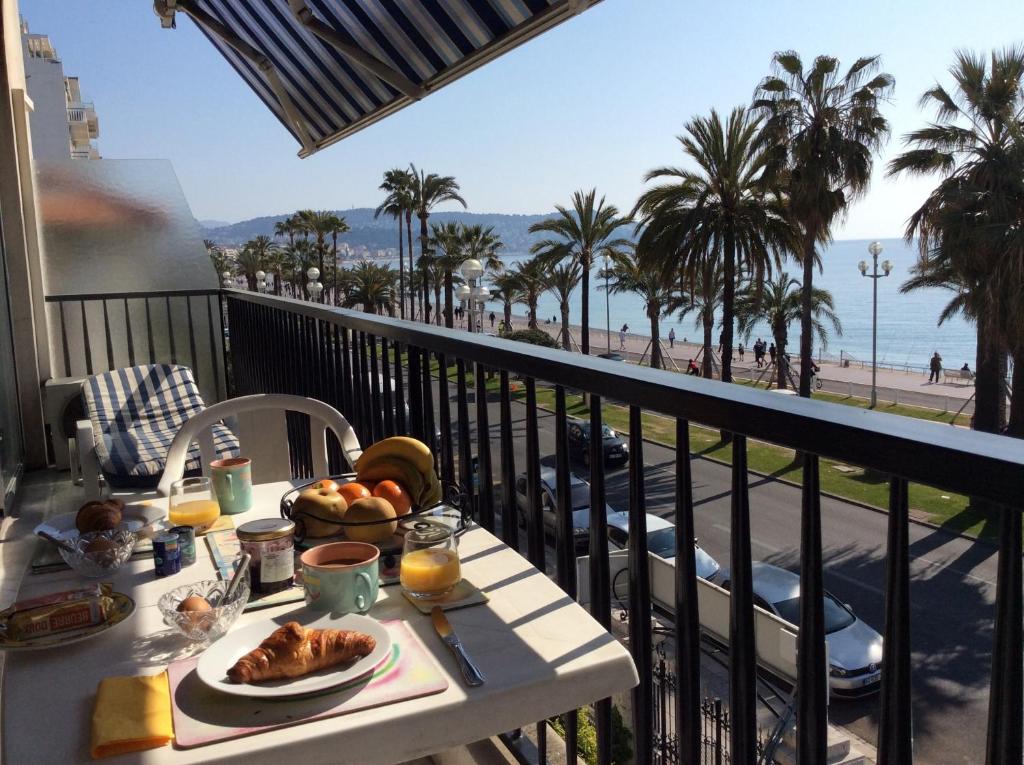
<point>293,651</point>
<point>99,515</point>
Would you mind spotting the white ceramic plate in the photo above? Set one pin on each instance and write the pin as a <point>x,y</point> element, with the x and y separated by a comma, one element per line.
<point>222,655</point>
<point>134,517</point>
<point>124,605</point>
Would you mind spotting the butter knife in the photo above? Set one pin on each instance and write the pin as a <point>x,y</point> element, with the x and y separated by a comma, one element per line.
<point>472,675</point>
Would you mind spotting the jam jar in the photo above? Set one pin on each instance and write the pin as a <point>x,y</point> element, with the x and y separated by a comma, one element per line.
<point>271,543</point>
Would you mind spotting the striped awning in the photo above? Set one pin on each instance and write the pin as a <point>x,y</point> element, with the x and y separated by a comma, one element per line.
<point>327,68</point>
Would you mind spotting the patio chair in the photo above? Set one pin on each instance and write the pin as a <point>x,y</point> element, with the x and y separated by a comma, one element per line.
<point>134,414</point>
<point>261,425</point>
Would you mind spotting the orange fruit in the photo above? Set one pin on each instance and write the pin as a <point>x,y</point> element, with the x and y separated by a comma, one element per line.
<point>353,491</point>
<point>394,493</point>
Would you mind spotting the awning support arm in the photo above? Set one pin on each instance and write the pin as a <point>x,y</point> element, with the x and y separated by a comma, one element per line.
<point>357,55</point>
<point>200,16</point>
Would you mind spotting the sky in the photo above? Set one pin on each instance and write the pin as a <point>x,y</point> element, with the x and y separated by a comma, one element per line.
<point>595,102</point>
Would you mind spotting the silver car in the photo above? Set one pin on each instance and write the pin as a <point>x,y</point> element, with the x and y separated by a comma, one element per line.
<point>579,490</point>
<point>661,540</point>
<point>854,648</point>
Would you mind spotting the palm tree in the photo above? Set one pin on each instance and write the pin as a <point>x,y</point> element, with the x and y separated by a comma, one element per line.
<point>428,191</point>
<point>295,261</point>
<point>561,280</point>
<point>824,127</point>
<point>580,235</point>
<point>969,227</point>
<point>398,204</point>
<point>483,244</point>
<point>628,275</point>
<point>702,292</point>
<point>255,255</point>
<point>507,288</point>
<point>530,274</point>
<point>221,261</point>
<point>371,286</point>
<point>779,303</point>
<point>725,206</point>
<point>322,224</point>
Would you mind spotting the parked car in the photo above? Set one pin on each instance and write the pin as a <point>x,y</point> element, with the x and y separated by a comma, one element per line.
<point>580,493</point>
<point>854,648</point>
<point>616,450</point>
<point>661,540</point>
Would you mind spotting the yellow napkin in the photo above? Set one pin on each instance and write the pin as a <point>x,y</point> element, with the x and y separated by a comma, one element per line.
<point>131,714</point>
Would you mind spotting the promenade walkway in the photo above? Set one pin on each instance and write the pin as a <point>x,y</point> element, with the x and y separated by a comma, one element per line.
<point>901,387</point>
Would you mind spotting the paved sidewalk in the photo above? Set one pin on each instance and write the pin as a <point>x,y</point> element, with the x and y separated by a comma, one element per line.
<point>910,388</point>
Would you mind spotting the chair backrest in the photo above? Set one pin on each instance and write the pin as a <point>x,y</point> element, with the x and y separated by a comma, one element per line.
<point>263,435</point>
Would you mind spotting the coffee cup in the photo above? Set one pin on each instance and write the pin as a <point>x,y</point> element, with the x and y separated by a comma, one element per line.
<point>232,483</point>
<point>341,577</point>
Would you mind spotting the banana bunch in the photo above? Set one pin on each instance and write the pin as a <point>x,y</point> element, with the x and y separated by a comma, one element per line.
<point>406,461</point>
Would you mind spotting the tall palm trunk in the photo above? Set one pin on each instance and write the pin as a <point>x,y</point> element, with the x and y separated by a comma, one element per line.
<point>806,305</point>
<point>781,337</point>
<point>532,306</point>
<point>437,301</point>
<point>423,255</point>
<point>401,269</point>
<point>449,296</point>
<point>728,304</point>
<point>989,390</point>
<point>412,266</point>
<point>653,312</point>
<point>508,316</point>
<point>564,306</point>
<point>585,304</point>
<point>1016,428</point>
<point>334,266</point>
<point>707,368</point>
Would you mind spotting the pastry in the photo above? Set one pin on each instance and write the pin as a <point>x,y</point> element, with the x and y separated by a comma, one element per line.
<point>99,515</point>
<point>294,651</point>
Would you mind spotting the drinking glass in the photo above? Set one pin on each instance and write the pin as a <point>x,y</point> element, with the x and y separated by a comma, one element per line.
<point>430,561</point>
<point>193,503</point>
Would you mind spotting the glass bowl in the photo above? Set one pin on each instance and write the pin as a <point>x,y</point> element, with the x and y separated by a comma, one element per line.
<point>99,553</point>
<point>204,626</point>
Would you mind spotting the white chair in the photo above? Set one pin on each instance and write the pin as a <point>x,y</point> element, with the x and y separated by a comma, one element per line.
<point>261,427</point>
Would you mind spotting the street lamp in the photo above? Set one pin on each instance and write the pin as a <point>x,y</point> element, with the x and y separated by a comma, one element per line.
<point>227,280</point>
<point>462,293</point>
<point>606,271</point>
<point>471,271</point>
<point>481,295</point>
<point>270,282</point>
<point>261,281</point>
<point>313,286</point>
<point>875,248</point>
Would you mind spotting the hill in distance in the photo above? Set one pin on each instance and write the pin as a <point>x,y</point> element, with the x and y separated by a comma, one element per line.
<point>382,233</point>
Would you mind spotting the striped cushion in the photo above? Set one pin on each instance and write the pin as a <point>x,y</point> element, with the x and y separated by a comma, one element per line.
<point>135,414</point>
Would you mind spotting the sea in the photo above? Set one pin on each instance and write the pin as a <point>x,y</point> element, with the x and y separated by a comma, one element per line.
<point>908,329</point>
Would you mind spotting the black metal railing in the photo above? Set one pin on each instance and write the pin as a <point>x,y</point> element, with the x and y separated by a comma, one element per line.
<point>96,332</point>
<point>359,362</point>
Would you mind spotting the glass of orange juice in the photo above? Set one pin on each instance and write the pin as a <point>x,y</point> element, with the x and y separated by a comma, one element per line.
<point>193,503</point>
<point>430,561</point>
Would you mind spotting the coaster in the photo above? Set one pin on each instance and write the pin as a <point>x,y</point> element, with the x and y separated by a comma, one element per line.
<point>464,595</point>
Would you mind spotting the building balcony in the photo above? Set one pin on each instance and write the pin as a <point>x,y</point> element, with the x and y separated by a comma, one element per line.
<point>83,120</point>
<point>493,410</point>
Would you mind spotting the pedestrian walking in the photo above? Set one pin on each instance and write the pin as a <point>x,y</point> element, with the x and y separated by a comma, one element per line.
<point>771,353</point>
<point>721,341</point>
<point>492,319</point>
<point>935,366</point>
<point>739,348</point>
<point>759,352</point>
<point>672,338</point>
<point>622,336</point>
<point>692,369</point>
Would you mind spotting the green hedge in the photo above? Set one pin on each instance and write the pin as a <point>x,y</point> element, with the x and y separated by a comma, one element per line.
<point>534,337</point>
<point>622,737</point>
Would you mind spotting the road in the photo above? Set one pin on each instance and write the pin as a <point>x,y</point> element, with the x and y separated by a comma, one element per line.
<point>952,583</point>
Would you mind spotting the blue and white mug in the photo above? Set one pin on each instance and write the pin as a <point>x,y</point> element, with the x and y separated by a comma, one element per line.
<point>341,577</point>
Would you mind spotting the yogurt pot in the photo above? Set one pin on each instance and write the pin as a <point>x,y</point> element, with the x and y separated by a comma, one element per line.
<point>271,543</point>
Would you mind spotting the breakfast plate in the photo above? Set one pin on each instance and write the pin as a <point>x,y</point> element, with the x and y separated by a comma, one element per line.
<point>134,517</point>
<point>222,655</point>
<point>124,607</point>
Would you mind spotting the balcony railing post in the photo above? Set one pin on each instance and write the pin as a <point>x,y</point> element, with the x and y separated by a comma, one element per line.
<point>509,513</point>
<point>742,671</point>
<point>812,669</point>
<point>600,584</point>
<point>444,418</point>
<point>688,701</point>
<point>639,593</point>
<point>485,470</point>
<point>565,543</point>
<point>1006,695</point>
<point>895,727</point>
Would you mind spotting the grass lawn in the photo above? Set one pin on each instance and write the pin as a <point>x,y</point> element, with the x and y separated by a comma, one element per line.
<point>949,510</point>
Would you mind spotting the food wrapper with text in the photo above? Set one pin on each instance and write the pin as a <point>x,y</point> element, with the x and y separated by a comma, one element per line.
<point>57,612</point>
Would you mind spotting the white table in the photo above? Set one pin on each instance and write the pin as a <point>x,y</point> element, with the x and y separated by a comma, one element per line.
<point>542,654</point>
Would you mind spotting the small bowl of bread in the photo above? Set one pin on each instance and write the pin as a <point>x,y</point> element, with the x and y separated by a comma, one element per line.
<point>199,610</point>
<point>97,554</point>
